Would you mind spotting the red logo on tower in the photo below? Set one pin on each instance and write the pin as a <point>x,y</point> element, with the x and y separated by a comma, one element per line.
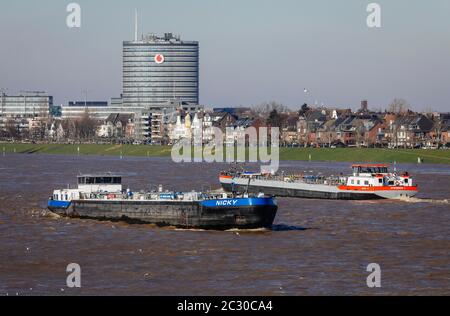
<point>159,58</point>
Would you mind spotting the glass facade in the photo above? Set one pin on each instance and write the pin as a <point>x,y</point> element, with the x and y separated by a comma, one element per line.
<point>159,69</point>
<point>25,106</point>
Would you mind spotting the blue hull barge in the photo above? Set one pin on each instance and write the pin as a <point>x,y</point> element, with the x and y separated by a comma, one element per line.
<point>102,197</point>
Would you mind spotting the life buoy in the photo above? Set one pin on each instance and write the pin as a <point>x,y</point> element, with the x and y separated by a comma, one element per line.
<point>111,196</point>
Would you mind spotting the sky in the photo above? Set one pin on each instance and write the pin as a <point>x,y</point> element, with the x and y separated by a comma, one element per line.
<point>251,51</point>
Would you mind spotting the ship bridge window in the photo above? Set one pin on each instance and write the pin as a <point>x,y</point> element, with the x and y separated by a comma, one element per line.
<point>100,180</point>
<point>361,169</point>
<point>103,180</point>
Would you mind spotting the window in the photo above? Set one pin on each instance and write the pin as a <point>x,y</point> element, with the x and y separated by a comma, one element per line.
<point>106,180</point>
<point>380,180</point>
<point>358,182</point>
<point>366,182</point>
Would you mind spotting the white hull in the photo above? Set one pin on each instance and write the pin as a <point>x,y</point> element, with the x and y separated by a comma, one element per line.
<point>321,191</point>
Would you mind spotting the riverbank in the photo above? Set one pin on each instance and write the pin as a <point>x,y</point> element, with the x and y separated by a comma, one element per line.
<point>301,154</point>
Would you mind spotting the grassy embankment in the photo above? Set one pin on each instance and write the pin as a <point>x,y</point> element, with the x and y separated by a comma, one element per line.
<point>338,154</point>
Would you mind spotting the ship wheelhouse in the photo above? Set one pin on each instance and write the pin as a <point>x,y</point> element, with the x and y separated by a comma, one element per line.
<point>370,169</point>
<point>108,179</point>
<point>87,184</point>
<point>377,175</point>
<point>92,183</point>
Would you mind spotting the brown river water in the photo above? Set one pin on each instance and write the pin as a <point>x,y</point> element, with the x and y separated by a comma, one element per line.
<point>316,247</point>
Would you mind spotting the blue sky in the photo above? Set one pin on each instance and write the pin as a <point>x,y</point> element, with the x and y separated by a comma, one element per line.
<point>251,51</point>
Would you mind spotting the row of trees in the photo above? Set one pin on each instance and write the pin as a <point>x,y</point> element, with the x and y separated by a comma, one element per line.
<point>84,128</point>
<point>42,128</point>
<point>274,113</point>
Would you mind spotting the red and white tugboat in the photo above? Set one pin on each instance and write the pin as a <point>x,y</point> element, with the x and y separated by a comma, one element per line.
<point>368,181</point>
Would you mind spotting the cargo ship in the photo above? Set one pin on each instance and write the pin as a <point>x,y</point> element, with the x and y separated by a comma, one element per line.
<point>102,197</point>
<point>367,182</point>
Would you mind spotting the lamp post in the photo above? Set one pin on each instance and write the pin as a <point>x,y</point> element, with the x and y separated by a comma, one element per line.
<point>85,92</point>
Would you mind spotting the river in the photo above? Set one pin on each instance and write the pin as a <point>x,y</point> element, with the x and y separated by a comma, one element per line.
<point>316,247</point>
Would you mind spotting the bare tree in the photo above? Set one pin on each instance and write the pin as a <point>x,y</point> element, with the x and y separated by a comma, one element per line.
<point>360,132</point>
<point>85,127</point>
<point>12,128</point>
<point>40,125</point>
<point>264,109</point>
<point>68,127</point>
<point>429,112</point>
<point>399,106</point>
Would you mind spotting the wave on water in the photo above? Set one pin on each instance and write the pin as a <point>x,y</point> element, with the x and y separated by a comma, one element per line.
<point>184,229</point>
<point>419,200</point>
<point>284,227</point>
<point>50,215</point>
<point>254,230</point>
<point>232,230</point>
<point>402,199</point>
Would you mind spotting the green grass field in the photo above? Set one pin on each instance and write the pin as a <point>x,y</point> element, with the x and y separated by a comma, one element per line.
<point>325,154</point>
<point>91,149</point>
<point>367,155</point>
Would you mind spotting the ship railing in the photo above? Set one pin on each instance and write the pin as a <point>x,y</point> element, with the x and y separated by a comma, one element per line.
<point>71,187</point>
<point>102,196</point>
<point>332,181</point>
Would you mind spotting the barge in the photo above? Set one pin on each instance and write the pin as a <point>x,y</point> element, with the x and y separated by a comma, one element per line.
<point>368,181</point>
<point>102,197</point>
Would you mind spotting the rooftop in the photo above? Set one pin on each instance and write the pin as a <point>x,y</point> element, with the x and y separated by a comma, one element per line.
<point>99,175</point>
<point>370,166</point>
<point>166,39</point>
<point>88,103</point>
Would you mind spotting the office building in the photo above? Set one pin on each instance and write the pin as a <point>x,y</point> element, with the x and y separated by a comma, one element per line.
<point>24,107</point>
<point>160,68</point>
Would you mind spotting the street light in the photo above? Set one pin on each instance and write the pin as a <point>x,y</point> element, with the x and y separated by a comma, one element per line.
<point>85,92</point>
